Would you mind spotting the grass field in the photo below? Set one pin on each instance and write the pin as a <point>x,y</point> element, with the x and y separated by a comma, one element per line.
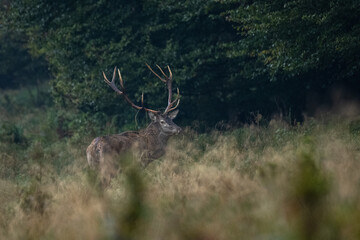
<point>258,181</point>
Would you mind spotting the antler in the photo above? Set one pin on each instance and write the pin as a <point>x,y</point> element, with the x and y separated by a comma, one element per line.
<point>122,91</point>
<point>168,81</point>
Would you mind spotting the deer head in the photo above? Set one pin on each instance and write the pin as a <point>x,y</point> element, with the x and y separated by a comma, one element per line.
<point>163,120</point>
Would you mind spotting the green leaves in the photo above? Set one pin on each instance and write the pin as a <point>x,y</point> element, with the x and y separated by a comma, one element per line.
<point>298,37</point>
<point>228,58</point>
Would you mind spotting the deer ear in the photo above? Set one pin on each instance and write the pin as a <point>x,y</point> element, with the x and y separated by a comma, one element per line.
<point>152,116</point>
<point>173,114</point>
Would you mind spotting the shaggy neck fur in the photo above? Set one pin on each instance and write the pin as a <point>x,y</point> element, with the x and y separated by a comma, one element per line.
<point>154,132</point>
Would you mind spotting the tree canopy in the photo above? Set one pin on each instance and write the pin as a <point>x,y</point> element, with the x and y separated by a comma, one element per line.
<point>229,58</point>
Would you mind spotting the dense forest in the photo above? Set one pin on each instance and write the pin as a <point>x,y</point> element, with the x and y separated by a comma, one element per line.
<point>269,107</point>
<point>231,59</point>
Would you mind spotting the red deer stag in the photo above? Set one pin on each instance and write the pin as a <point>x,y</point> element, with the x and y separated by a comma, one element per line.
<point>104,153</point>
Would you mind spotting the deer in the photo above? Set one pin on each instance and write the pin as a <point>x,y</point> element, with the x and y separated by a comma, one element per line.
<point>105,153</point>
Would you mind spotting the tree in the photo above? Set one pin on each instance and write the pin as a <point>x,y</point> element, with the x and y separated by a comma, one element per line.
<point>305,46</point>
<point>17,66</point>
<point>81,39</point>
<point>229,58</point>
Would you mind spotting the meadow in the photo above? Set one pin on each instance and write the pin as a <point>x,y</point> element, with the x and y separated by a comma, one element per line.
<point>265,180</point>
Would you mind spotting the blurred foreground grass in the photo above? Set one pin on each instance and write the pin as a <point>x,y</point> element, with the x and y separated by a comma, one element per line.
<point>254,182</point>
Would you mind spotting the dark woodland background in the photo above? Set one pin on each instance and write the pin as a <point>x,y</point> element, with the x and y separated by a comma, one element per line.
<point>232,60</point>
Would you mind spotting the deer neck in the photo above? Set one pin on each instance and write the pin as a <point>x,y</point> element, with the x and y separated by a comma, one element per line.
<point>154,132</point>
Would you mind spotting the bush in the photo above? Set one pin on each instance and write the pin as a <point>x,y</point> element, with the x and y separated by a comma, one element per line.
<point>12,133</point>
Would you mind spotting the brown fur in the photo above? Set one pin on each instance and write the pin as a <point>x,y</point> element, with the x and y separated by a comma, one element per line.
<point>106,153</point>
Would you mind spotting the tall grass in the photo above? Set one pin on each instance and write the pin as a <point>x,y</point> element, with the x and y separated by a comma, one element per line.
<point>254,182</point>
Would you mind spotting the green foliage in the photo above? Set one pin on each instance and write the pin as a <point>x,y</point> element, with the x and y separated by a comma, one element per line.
<point>12,133</point>
<point>17,66</point>
<point>80,40</point>
<point>354,127</point>
<point>228,58</point>
<point>34,199</point>
<point>296,37</point>
<point>302,46</point>
<point>306,201</point>
<point>131,220</point>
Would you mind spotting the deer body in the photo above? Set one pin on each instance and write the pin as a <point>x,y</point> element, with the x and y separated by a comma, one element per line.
<point>106,153</point>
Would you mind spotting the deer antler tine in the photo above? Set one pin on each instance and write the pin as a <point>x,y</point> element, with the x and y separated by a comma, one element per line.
<point>105,78</point>
<point>169,108</point>
<point>163,80</point>
<point>142,105</point>
<point>170,76</point>
<point>176,99</point>
<point>162,71</point>
<point>114,75</point>
<point>122,91</point>
<point>112,83</point>
<point>177,94</point>
<point>121,80</point>
<point>167,80</point>
<point>150,110</point>
<point>177,104</point>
